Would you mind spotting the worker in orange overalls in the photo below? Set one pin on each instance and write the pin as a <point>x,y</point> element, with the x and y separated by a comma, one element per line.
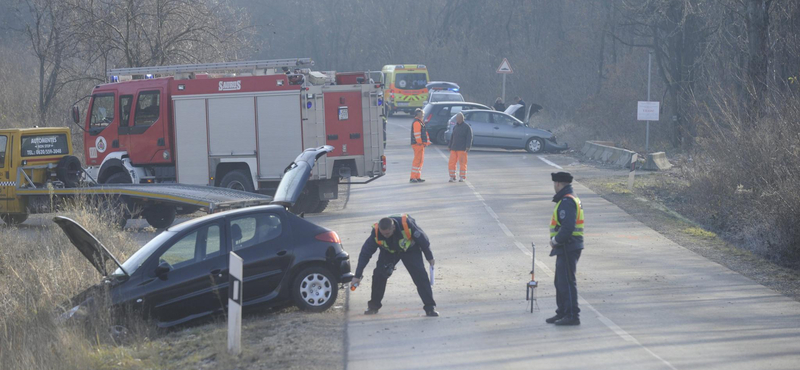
<point>419,140</point>
<point>460,143</point>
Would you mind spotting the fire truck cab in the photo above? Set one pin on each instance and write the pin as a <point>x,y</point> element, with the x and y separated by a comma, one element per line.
<point>234,125</point>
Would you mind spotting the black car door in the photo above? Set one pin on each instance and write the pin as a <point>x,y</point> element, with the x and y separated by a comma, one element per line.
<point>195,283</point>
<point>263,241</point>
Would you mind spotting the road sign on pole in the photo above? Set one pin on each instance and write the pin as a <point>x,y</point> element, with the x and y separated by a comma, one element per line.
<point>504,69</point>
<point>235,305</point>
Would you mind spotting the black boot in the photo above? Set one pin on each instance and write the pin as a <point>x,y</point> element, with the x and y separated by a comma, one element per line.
<point>554,319</point>
<point>371,311</point>
<point>431,313</point>
<point>568,321</point>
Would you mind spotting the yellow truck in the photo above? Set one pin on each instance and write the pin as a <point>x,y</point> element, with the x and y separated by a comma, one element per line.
<point>38,171</point>
<point>404,87</point>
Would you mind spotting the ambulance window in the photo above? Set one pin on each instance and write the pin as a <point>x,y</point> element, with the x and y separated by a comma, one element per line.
<point>102,112</point>
<point>125,109</point>
<point>147,108</point>
<point>3,142</point>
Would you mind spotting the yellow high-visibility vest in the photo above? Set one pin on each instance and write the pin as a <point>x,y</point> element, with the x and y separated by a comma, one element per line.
<point>405,243</point>
<point>555,224</point>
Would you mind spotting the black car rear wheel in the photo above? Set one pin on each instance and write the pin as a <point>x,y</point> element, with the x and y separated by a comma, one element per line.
<point>440,139</point>
<point>315,289</point>
<point>534,145</point>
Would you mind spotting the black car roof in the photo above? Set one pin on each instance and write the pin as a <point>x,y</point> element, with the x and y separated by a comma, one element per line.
<point>191,223</point>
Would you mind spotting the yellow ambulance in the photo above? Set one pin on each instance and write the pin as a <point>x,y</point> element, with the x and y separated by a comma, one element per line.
<point>404,87</point>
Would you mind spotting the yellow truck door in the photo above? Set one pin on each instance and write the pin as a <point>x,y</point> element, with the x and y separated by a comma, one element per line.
<point>5,171</point>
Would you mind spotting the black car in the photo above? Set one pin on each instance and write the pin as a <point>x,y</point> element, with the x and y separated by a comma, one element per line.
<point>182,274</point>
<point>437,114</point>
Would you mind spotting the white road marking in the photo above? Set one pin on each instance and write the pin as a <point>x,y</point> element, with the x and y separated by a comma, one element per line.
<point>605,320</point>
<point>550,163</point>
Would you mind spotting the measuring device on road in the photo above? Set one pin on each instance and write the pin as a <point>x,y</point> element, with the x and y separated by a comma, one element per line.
<point>530,288</point>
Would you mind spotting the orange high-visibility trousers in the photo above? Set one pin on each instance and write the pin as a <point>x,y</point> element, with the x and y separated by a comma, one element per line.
<point>419,158</point>
<point>459,156</point>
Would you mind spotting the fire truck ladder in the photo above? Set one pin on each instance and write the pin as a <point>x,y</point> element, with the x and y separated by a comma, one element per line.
<point>184,71</point>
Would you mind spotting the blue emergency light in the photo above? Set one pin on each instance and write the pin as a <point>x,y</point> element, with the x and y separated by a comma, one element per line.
<point>148,76</point>
<point>114,78</point>
<point>308,105</point>
<point>380,102</point>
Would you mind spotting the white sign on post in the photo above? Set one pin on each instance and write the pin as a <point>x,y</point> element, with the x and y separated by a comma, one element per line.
<point>235,304</point>
<point>505,67</point>
<point>648,111</point>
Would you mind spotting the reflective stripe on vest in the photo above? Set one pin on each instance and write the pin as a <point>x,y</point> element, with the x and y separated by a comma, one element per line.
<point>555,224</point>
<point>405,243</point>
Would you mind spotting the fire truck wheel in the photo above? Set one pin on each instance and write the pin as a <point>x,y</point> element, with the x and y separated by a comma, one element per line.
<point>69,171</point>
<point>119,178</point>
<point>10,219</point>
<point>237,180</point>
<point>308,200</point>
<point>321,206</point>
<point>160,216</point>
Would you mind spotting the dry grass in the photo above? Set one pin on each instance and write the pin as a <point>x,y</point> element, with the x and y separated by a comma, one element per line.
<point>40,270</point>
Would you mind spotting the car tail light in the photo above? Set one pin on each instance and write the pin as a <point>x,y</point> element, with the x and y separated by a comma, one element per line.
<point>383,163</point>
<point>330,237</point>
<point>428,118</point>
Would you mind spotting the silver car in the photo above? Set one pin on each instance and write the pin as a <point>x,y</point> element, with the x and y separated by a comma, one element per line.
<point>491,128</point>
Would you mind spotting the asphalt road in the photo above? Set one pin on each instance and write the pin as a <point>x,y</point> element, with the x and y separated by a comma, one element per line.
<point>647,303</point>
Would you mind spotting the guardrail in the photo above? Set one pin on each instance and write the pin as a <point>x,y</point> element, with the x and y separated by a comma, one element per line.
<point>603,151</point>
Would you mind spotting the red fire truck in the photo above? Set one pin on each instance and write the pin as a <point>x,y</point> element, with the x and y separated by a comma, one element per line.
<point>234,125</point>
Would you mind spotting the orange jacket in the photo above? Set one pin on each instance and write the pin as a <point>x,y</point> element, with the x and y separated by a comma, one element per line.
<point>419,135</point>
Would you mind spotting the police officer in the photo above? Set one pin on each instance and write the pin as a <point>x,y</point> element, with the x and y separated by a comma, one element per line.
<point>399,239</point>
<point>566,243</point>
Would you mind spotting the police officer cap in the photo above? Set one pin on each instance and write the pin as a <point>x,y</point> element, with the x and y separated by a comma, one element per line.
<point>561,177</point>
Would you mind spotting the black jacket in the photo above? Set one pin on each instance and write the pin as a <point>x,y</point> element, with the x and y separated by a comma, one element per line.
<point>520,113</point>
<point>499,107</point>
<point>421,242</point>
<point>567,214</point>
<point>461,139</point>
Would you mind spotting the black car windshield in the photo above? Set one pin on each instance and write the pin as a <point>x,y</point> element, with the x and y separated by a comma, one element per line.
<point>138,258</point>
<point>410,81</point>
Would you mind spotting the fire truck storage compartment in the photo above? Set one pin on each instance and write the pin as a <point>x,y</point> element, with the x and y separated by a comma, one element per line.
<point>262,130</point>
<point>191,149</point>
<point>344,124</point>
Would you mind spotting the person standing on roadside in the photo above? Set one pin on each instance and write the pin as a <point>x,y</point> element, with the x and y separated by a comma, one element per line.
<point>460,143</point>
<point>566,243</point>
<point>520,113</point>
<point>498,105</point>
<point>419,140</point>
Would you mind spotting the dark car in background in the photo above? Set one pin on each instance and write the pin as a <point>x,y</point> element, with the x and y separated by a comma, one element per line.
<point>437,114</point>
<point>182,273</point>
<point>491,128</point>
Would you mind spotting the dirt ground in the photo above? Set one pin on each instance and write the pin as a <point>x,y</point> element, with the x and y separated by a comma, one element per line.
<point>654,201</point>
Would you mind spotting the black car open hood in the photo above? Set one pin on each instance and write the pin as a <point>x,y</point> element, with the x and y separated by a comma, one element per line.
<point>89,246</point>
<point>296,175</point>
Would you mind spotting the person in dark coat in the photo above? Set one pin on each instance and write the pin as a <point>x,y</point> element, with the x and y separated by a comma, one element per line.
<point>498,105</point>
<point>399,239</point>
<point>566,243</point>
<point>460,143</point>
<point>520,113</point>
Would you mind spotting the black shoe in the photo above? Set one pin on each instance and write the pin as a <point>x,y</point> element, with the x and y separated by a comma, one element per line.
<point>431,313</point>
<point>568,321</point>
<point>371,311</point>
<point>413,180</point>
<point>420,180</point>
<point>553,319</point>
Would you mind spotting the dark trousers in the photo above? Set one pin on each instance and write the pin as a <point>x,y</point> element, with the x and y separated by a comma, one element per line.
<point>412,260</point>
<point>566,285</point>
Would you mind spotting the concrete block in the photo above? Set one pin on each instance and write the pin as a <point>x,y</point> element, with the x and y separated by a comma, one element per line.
<point>615,157</point>
<point>586,147</point>
<point>593,148</point>
<point>625,159</point>
<point>607,153</point>
<point>657,162</point>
